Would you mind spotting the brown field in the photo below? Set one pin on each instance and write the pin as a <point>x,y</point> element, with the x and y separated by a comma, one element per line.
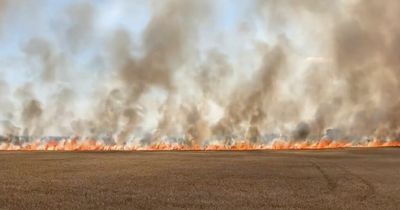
<point>327,179</point>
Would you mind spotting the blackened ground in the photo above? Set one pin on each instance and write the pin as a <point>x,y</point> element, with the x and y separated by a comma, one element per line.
<point>325,179</point>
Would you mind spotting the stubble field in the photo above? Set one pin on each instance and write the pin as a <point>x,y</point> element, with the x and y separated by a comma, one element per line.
<point>310,179</point>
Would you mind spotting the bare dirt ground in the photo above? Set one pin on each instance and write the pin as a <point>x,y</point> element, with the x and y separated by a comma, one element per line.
<point>328,179</point>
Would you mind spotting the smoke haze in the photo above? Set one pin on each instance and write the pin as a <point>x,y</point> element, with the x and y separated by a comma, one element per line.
<point>191,73</point>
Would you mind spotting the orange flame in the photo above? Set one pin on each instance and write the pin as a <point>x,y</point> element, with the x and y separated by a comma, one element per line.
<point>92,145</point>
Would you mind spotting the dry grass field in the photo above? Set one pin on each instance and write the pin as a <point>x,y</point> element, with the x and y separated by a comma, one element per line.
<point>328,179</point>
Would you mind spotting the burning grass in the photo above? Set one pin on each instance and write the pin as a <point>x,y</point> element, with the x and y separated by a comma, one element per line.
<point>75,144</point>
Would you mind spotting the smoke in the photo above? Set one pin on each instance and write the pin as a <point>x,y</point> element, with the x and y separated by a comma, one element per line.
<point>364,45</point>
<point>31,114</point>
<point>302,131</point>
<point>81,25</point>
<point>251,101</point>
<point>300,70</point>
<point>41,49</point>
<point>3,9</point>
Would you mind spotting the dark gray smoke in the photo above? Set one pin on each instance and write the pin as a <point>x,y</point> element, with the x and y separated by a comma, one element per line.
<point>302,131</point>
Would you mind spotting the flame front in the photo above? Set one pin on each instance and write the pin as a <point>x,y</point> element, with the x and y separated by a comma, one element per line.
<point>74,144</point>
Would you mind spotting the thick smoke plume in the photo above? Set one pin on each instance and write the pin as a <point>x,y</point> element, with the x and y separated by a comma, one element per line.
<point>321,72</point>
